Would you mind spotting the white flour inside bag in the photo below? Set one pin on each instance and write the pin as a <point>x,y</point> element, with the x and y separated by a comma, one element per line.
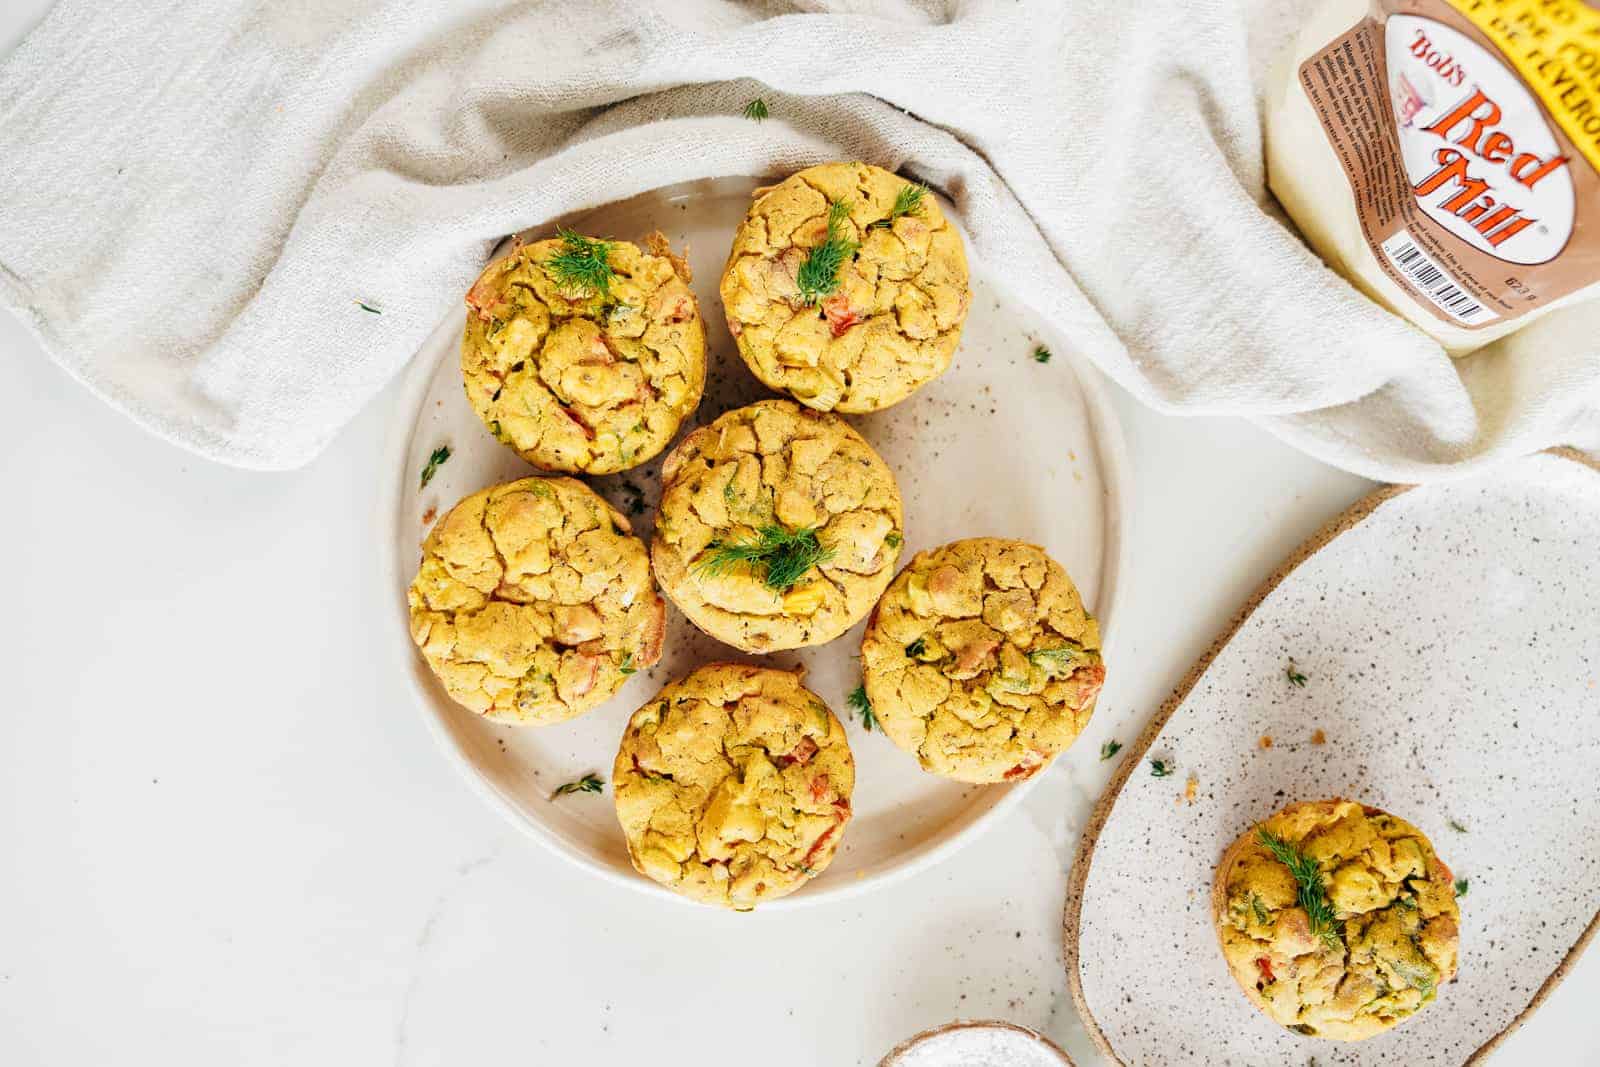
<point>1444,155</point>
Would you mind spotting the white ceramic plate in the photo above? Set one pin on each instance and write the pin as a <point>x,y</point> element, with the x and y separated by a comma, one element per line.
<point>999,445</point>
<point>1448,640</point>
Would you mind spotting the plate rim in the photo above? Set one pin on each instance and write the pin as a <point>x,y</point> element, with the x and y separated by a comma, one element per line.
<point>1083,857</point>
<point>1111,446</point>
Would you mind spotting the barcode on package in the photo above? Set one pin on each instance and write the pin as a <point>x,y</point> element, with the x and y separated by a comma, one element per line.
<point>1437,284</point>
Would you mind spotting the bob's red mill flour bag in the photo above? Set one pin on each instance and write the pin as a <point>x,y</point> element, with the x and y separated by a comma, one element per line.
<point>1444,155</point>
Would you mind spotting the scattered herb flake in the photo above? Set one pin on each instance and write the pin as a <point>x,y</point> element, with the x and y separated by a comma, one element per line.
<point>626,667</point>
<point>1160,768</point>
<point>1041,354</point>
<point>1109,749</point>
<point>1461,887</point>
<point>368,308</point>
<point>778,556</point>
<point>1260,911</point>
<point>916,648</point>
<point>863,707</point>
<point>1457,827</point>
<point>1312,891</point>
<point>893,540</point>
<point>587,784</point>
<point>756,109</point>
<point>1293,674</point>
<point>435,461</point>
<point>818,275</point>
<point>1060,658</point>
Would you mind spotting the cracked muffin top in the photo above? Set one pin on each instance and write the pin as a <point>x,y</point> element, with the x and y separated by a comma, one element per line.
<point>778,527</point>
<point>584,355</point>
<point>733,785</point>
<point>846,287</point>
<point>981,661</point>
<point>533,602</point>
<point>1337,920</point>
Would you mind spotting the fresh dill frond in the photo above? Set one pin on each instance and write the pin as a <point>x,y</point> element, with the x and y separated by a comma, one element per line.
<point>908,201</point>
<point>916,648</point>
<point>1160,768</point>
<point>1041,354</point>
<point>1311,890</point>
<point>1295,677</point>
<point>1109,749</point>
<point>818,275</point>
<point>756,109</point>
<point>435,461</point>
<point>779,557</point>
<point>863,707</point>
<point>582,264</point>
<point>587,784</point>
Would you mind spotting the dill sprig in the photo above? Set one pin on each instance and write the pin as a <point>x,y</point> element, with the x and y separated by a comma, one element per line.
<point>908,201</point>
<point>1312,891</point>
<point>1160,768</point>
<point>1041,354</point>
<point>863,707</point>
<point>1295,677</point>
<point>582,265</point>
<point>1109,749</point>
<point>916,649</point>
<point>587,784</point>
<point>756,109</point>
<point>818,275</point>
<point>778,556</point>
<point>1461,887</point>
<point>435,461</point>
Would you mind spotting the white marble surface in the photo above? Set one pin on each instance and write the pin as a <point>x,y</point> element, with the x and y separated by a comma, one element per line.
<point>226,837</point>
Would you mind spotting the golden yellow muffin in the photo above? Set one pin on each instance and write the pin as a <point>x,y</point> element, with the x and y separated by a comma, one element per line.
<point>1337,920</point>
<point>981,661</point>
<point>849,308</point>
<point>533,602</point>
<point>733,785</point>
<point>778,527</point>
<point>584,355</point>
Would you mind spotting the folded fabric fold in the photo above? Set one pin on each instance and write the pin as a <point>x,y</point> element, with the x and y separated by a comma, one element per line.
<point>198,200</point>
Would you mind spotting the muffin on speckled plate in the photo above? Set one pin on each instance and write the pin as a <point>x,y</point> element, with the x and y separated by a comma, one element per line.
<point>981,661</point>
<point>778,527</point>
<point>846,287</point>
<point>1336,919</point>
<point>584,355</point>
<point>733,785</point>
<point>533,602</point>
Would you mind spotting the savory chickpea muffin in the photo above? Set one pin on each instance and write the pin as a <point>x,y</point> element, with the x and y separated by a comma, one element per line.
<point>533,602</point>
<point>778,527</point>
<point>1336,919</point>
<point>584,355</point>
<point>846,287</point>
<point>733,785</point>
<point>981,661</point>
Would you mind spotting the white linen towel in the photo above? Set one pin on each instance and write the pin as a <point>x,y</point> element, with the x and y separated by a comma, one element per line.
<point>193,197</point>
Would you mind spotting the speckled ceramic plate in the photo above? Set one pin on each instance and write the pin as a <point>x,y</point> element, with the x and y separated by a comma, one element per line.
<point>1447,637</point>
<point>999,445</point>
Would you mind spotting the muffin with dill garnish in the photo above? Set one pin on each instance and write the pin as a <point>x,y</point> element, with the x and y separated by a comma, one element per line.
<point>733,785</point>
<point>533,602</point>
<point>778,527</point>
<point>981,660</point>
<point>584,355</point>
<point>1336,919</point>
<point>846,287</point>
